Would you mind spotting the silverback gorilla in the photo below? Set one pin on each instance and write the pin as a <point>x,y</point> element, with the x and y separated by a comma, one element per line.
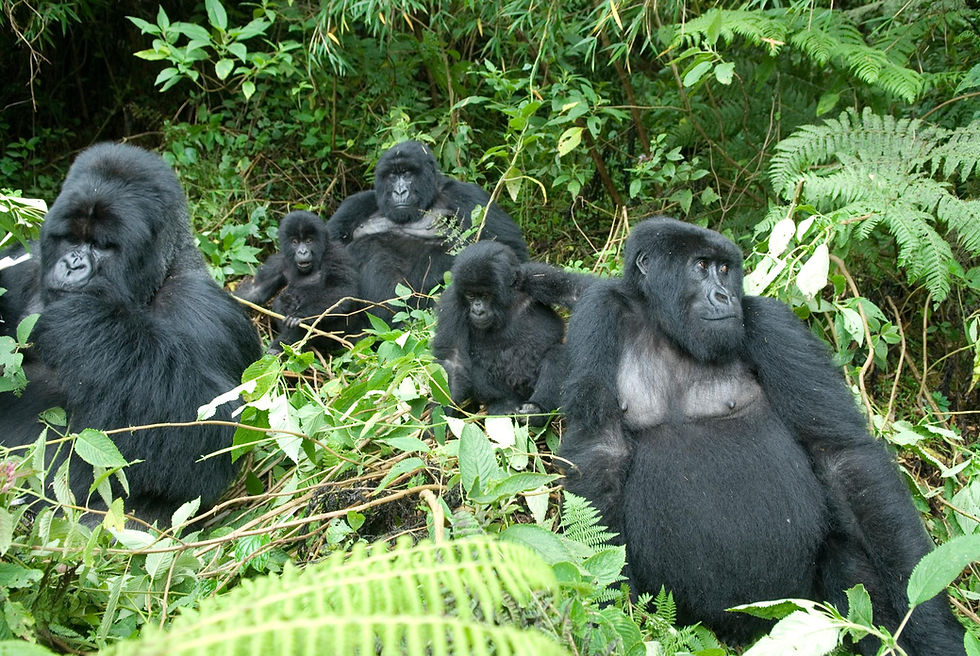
<point>311,273</point>
<point>498,337</point>
<point>133,331</point>
<point>714,434</point>
<point>403,230</point>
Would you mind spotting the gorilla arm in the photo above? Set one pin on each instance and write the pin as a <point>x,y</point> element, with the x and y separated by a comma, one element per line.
<point>594,440</point>
<point>869,499</point>
<point>267,281</point>
<point>351,213</point>
<point>550,285</point>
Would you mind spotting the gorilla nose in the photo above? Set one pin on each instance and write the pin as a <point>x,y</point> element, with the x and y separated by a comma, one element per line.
<point>721,297</point>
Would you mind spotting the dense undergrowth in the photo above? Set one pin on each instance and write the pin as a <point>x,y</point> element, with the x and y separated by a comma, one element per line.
<point>836,146</point>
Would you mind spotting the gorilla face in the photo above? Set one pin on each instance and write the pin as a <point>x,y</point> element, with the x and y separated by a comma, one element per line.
<point>406,181</point>
<point>115,215</point>
<point>302,241</point>
<point>692,281</point>
<point>484,276</point>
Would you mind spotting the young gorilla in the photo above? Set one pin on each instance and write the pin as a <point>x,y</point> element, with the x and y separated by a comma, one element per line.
<point>133,330</point>
<point>400,232</point>
<point>311,273</point>
<point>717,438</point>
<point>498,337</point>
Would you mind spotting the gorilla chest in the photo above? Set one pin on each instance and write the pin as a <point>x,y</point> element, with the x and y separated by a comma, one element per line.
<point>658,384</point>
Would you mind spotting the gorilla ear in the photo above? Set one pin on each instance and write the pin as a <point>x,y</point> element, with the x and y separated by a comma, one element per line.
<point>641,262</point>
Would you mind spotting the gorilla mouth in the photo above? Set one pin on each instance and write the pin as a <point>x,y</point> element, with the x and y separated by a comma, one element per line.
<point>724,317</point>
<point>304,267</point>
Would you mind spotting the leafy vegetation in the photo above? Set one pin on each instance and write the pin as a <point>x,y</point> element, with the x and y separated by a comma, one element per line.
<point>835,142</point>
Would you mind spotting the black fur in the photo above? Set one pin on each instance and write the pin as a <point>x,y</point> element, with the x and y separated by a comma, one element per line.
<point>497,336</point>
<point>395,231</point>
<point>311,273</point>
<point>133,330</point>
<point>717,438</point>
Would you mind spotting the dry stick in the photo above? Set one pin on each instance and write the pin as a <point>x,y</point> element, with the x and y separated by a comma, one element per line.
<point>925,345</point>
<point>311,329</point>
<point>438,516</point>
<point>868,361</point>
<point>901,361</point>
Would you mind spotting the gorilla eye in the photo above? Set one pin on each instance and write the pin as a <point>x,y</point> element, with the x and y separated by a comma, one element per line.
<point>702,265</point>
<point>723,268</point>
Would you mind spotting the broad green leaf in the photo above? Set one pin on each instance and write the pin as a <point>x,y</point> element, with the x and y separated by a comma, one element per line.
<point>696,72</point>
<point>799,634</point>
<point>939,568</point>
<point>157,564</point>
<point>223,68</point>
<point>95,448</point>
<point>569,141</point>
<point>548,545</point>
<point>827,102</point>
<point>14,576</point>
<point>725,72</point>
<point>476,459</point>
<point>859,606</point>
<point>216,14</point>
<point>185,512</point>
<point>405,466</point>
<point>248,88</point>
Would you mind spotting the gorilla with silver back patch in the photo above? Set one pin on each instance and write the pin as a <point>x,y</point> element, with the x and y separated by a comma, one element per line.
<point>716,436</point>
<point>403,231</point>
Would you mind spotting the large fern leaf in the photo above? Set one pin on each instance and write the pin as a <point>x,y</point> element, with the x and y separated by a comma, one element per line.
<point>422,599</point>
<point>892,173</point>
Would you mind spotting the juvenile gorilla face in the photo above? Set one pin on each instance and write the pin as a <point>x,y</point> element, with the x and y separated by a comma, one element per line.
<point>405,181</point>
<point>483,279</point>
<point>692,280</point>
<point>114,212</point>
<point>302,239</point>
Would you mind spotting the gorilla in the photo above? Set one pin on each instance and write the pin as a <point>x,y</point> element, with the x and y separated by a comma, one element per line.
<point>406,229</point>
<point>311,273</point>
<point>498,337</point>
<point>714,434</point>
<point>133,331</point>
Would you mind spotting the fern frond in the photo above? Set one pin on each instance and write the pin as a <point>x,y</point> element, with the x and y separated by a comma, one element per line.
<point>883,170</point>
<point>422,599</point>
<point>581,523</point>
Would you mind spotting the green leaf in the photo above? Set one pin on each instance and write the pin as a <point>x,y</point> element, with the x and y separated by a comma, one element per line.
<point>972,644</point>
<point>696,72</point>
<point>248,88</point>
<point>939,568</point>
<point>800,634</point>
<point>13,575</point>
<point>827,102</point>
<point>25,327</point>
<point>569,141</point>
<point>6,531</point>
<point>153,55</point>
<point>725,72</point>
<point>512,485</point>
<point>548,545</point>
<point>405,466</point>
<point>859,608</point>
<point>95,448</point>
<point>145,28</point>
<point>223,68</point>
<point>477,460</point>
<point>216,14</point>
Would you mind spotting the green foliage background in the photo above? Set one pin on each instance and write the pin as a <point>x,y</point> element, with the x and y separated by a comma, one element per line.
<point>837,144</point>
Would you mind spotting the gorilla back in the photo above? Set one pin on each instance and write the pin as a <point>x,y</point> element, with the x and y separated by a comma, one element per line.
<point>133,331</point>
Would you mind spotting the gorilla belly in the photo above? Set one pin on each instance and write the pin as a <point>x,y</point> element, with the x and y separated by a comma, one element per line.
<point>723,512</point>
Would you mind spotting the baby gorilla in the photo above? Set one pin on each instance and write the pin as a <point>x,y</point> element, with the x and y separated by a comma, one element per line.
<point>497,336</point>
<point>314,274</point>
